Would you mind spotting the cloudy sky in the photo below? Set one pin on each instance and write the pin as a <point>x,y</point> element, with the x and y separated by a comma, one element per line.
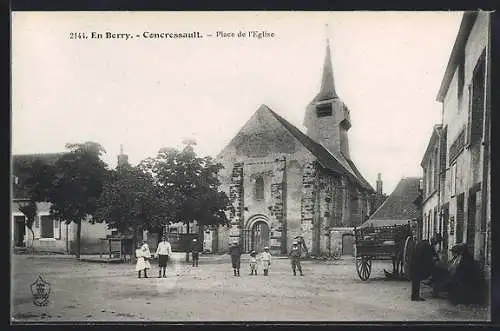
<point>151,93</point>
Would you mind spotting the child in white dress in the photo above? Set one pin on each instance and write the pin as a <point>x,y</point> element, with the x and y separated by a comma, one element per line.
<point>143,255</point>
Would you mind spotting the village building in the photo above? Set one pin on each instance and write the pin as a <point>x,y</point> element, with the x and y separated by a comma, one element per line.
<point>50,235</point>
<point>401,207</point>
<point>457,162</point>
<point>284,183</point>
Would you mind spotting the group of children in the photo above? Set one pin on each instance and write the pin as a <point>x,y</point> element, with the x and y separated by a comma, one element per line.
<point>164,250</point>
<point>265,257</point>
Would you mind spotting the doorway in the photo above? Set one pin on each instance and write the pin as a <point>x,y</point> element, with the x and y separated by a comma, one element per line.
<point>471,221</point>
<point>446,216</point>
<point>260,236</point>
<point>348,244</point>
<point>19,231</point>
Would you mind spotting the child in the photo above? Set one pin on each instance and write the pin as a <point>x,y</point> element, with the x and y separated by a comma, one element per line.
<point>295,258</point>
<point>253,263</point>
<point>143,254</point>
<point>235,252</point>
<point>266,260</point>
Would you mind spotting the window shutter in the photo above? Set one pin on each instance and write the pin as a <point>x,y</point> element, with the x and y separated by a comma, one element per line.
<point>57,229</point>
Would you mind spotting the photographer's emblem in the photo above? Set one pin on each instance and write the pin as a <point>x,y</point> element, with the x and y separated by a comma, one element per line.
<point>41,292</point>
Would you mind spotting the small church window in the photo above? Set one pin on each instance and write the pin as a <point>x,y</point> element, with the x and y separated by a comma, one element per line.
<point>324,110</point>
<point>259,188</point>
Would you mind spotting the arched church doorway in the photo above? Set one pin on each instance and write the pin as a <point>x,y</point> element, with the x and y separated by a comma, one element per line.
<point>260,236</point>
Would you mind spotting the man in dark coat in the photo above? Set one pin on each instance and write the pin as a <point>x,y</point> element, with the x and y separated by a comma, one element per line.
<point>422,262</point>
<point>235,252</point>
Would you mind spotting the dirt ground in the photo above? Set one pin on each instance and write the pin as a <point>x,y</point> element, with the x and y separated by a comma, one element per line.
<point>329,291</point>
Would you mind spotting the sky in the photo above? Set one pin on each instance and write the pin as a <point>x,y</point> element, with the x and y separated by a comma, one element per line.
<point>152,93</point>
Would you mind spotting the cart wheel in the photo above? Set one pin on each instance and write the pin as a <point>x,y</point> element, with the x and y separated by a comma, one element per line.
<point>406,256</point>
<point>364,267</point>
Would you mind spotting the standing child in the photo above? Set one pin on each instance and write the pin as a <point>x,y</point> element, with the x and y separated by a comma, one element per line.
<point>266,260</point>
<point>235,252</point>
<point>253,263</point>
<point>195,252</point>
<point>143,254</point>
<point>295,258</point>
<point>163,252</point>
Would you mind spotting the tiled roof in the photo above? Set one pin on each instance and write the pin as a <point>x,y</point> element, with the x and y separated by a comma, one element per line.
<point>19,162</point>
<point>337,164</point>
<point>399,206</point>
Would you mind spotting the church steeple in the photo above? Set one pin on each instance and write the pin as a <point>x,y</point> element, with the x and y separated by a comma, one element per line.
<point>327,90</point>
<point>327,118</point>
<point>122,158</point>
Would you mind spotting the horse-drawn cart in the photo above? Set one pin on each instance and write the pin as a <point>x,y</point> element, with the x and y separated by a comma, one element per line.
<point>382,243</point>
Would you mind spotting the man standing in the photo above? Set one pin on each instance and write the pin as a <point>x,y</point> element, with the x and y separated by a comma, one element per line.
<point>422,264</point>
<point>235,252</point>
<point>195,252</point>
<point>163,252</point>
<point>295,258</point>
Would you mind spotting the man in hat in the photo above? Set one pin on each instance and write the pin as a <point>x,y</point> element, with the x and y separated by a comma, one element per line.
<point>195,251</point>
<point>266,260</point>
<point>295,258</point>
<point>163,252</point>
<point>235,252</point>
<point>422,264</point>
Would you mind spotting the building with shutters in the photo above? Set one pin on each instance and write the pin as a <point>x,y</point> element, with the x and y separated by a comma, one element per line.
<point>457,163</point>
<point>285,183</point>
<point>50,235</point>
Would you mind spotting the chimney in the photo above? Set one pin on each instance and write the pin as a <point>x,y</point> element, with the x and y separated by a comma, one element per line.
<point>379,185</point>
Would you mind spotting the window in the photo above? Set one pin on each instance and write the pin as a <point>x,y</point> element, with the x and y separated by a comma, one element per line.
<point>259,188</point>
<point>460,85</point>
<point>436,168</point>
<point>460,219</point>
<point>47,227</point>
<point>324,110</point>
<point>457,146</point>
<point>37,222</point>
<point>435,221</point>
<point>453,170</point>
<point>476,103</point>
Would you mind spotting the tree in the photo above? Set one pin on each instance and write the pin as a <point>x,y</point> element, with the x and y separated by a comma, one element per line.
<point>191,182</point>
<point>37,181</point>
<point>78,180</point>
<point>30,211</point>
<point>130,201</point>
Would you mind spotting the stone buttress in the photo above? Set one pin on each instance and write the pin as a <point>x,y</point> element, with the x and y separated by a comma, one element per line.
<point>278,214</point>
<point>236,199</point>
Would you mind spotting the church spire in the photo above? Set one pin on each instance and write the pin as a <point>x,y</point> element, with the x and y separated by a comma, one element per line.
<point>122,158</point>
<point>327,90</point>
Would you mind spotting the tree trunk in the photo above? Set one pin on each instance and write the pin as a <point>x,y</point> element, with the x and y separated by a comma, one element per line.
<point>78,235</point>
<point>201,236</point>
<point>31,247</point>
<point>134,244</point>
<point>187,244</point>
<point>32,236</point>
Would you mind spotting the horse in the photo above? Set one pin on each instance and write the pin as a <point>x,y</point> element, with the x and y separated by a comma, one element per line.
<point>404,242</point>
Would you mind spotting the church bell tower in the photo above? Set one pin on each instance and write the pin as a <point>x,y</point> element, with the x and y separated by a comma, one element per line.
<point>327,118</point>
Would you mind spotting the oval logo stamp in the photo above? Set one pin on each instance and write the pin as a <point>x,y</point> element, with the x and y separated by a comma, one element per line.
<point>41,291</point>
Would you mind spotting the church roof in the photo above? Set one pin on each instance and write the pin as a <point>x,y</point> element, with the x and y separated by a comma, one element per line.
<point>399,207</point>
<point>335,163</point>
<point>327,90</point>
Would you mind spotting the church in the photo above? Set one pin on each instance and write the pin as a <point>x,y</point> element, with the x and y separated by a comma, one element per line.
<point>283,183</point>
